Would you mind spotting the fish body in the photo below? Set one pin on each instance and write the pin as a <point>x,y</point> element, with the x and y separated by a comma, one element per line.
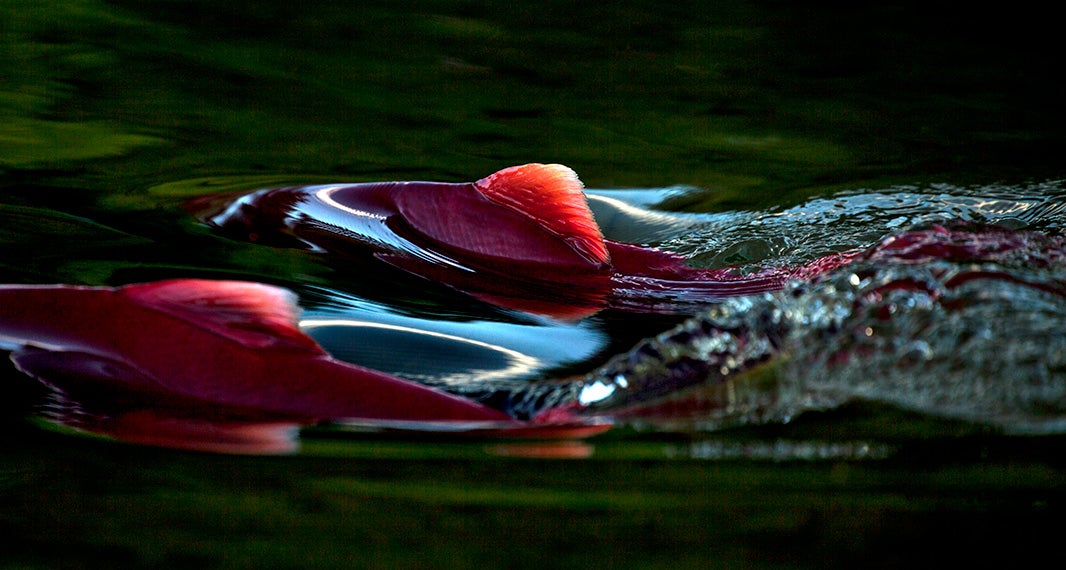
<point>523,238</point>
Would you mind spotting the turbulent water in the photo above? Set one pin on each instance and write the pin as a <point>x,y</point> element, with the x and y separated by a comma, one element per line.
<point>978,339</point>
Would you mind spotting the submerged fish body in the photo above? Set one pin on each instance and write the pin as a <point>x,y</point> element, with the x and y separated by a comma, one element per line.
<point>521,238</point>
<point>191,344</point>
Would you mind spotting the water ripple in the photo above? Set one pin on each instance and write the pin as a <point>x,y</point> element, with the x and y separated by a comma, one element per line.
<point>976,339</point>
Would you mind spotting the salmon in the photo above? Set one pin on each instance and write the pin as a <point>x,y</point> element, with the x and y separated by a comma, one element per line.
<point>522,238</point>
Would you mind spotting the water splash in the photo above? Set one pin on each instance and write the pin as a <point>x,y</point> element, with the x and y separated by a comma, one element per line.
<point>972,342</point>
<point>979,341</point>
<point>947,325</point>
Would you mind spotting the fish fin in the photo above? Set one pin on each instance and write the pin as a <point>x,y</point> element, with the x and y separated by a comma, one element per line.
<point>550,194</point>
<point>253,314</point>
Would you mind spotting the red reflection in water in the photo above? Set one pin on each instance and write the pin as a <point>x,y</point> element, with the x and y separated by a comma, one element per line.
<point>212,365</point>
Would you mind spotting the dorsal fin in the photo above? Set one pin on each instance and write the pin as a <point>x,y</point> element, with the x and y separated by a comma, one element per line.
<point>253,314</point>
<point>550,194</point>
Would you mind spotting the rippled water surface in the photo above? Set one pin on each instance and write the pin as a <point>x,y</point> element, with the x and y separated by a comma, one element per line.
<point>977,338</point>
<point>899,410</point>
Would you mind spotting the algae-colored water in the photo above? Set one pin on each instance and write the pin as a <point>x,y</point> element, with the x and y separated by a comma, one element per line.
<point>112,113</point>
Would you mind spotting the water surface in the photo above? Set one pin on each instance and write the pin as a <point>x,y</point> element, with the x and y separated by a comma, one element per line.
<point>739,133</point>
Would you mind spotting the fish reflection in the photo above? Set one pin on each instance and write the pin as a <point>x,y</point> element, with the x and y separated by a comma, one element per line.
<point>213,365</point>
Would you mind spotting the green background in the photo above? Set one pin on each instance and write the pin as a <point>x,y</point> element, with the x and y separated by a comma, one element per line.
<point>109,111</point>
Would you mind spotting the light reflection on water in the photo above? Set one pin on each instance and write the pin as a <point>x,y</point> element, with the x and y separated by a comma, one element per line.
<point>975,340</point>
<point>781,450</point>
<point>487,361</point>
<point>448,352</point>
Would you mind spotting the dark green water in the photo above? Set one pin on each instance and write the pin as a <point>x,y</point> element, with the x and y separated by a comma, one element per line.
<point>111,113</point>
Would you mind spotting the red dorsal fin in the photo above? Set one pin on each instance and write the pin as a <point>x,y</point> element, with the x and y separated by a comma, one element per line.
<point>550,194</point>
<point>253,314</point>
